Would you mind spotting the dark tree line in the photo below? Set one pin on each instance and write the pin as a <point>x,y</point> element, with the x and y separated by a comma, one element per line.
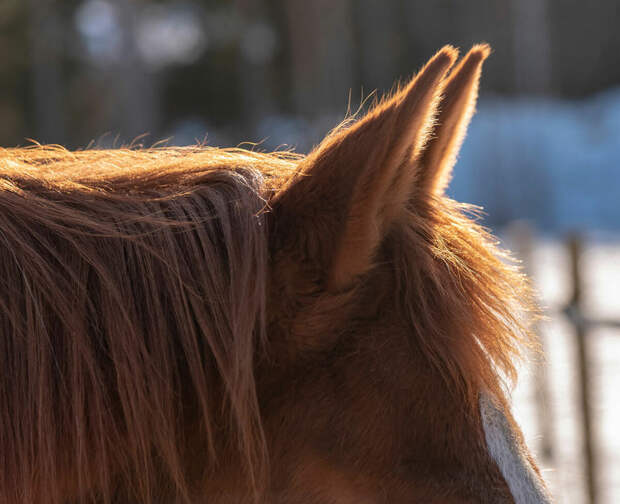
<point>278,70</point>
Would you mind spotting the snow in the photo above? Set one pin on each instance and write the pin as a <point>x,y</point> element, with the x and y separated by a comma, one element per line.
<point>554,162</point>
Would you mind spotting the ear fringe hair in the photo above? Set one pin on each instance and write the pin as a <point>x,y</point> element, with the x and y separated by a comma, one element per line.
<point>482,304</point>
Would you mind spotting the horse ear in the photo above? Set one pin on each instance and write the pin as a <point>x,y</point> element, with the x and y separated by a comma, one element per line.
<point>348,190</point>
<point>457,109</point>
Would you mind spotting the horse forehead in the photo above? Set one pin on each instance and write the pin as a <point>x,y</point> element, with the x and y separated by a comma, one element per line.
<point>509,453</point>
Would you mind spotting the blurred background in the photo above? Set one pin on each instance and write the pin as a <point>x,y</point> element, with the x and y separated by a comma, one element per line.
<point>543,150</point>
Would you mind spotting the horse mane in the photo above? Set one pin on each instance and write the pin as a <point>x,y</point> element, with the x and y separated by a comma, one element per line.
<point>466,298</point>
<point>133,299</point>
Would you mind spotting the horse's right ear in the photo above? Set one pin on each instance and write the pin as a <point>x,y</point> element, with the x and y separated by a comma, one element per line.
<point>338,208</point>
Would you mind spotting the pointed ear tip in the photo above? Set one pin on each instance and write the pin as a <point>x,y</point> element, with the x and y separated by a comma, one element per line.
<point>448,54</point>
<point>481,51</point>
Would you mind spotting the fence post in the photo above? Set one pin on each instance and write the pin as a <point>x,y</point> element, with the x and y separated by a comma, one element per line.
<point>522,236</point>
<point>575,246</point>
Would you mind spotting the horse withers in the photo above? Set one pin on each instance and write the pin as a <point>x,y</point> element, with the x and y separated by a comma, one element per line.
<point>201,325</point>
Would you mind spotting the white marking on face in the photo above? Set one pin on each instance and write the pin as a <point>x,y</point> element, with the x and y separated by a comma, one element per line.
<point>509,454</point>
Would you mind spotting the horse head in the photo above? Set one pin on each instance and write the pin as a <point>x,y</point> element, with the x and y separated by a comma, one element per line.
<point>214,325</point>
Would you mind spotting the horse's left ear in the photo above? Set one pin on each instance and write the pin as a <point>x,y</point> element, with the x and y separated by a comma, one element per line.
<point>333,215</point>
<point>457,109</point>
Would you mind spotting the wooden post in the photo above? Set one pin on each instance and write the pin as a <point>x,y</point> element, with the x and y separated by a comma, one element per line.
<point>522,236</point>
<point>575,248</point>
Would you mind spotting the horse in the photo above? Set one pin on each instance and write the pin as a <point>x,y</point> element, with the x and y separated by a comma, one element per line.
<point>209,325</point>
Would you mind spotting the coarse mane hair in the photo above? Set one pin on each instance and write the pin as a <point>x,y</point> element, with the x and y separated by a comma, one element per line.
<point>130,279</point>
<point>135,311</point>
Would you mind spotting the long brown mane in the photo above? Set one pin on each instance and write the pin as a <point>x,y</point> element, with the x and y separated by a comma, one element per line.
<point>130,280</point>
<point>135,286</point>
